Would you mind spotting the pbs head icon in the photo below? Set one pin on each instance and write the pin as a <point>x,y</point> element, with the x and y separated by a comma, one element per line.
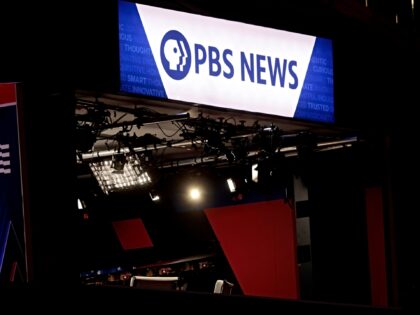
<point>175,55</point>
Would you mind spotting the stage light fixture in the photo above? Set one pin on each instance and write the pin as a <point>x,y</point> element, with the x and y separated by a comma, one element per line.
<point>254,173</point>
<point>118,162</point>
<point>195,194</point>
<point>230,156</point>
<point>155,197</point>
<point>114,177</point>
<point>80,204</point>
<point>231,185</point>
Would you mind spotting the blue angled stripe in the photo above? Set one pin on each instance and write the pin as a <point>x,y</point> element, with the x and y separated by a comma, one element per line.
<point>138,71</point>
<point>316,100</point>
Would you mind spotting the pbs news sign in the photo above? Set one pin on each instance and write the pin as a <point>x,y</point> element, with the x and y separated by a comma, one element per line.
<point>193,58</point>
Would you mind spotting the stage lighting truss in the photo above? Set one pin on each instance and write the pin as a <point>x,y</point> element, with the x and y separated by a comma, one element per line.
<point>129,176</point>
<point>207,140</point>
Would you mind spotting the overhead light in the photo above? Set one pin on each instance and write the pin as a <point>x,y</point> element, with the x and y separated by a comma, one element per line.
<point>231,185</point>
<point>80,204</point>
<point>129,175</point>
<point>154,197</point>
<point>254,173</point>
<point>195,194</point>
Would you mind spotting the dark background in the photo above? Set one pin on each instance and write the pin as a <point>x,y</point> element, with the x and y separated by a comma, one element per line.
<point>55,49</point>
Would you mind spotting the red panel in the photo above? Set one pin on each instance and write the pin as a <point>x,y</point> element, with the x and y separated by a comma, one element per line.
<point>7,93</point>
<point>259,242</point>
<point>132,234</point>
<point>376,243</point>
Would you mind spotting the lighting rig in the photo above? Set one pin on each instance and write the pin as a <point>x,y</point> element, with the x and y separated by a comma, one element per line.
<point>206,140</point>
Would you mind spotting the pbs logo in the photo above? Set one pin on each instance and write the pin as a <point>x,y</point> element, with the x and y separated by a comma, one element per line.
<point>175,54</point>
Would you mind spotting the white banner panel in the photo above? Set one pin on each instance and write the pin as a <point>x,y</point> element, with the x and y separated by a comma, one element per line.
<point>180,56</point>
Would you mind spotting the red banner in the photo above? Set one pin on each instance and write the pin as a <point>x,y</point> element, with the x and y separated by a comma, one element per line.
<point>259,241</point>
<point>7,94</point>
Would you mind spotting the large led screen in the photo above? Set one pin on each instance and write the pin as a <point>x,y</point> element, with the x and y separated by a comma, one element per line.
<point>179,56</point>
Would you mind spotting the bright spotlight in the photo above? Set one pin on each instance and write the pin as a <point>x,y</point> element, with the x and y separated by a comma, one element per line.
<point>195,194</point>
<point>115,175</point>
<point>231,184</point>
<point>255,173</point>
<point>80,205</point>
<point>154,197</point>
